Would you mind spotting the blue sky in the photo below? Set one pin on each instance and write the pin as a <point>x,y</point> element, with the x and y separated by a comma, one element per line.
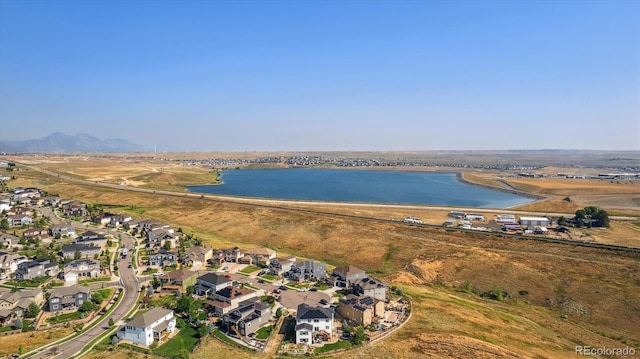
<point>324,75</point>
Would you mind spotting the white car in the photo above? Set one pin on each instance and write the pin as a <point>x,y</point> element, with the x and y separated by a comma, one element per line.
<point>300,290</point>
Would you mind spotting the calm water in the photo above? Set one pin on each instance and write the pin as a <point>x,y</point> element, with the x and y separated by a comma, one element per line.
<point>359,186</point>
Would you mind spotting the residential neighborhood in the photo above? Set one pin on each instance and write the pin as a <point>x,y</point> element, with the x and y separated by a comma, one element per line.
<point>242,293</point>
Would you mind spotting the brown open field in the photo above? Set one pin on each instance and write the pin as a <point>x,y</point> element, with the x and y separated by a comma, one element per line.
<point>558,296</point>
<point>30,340</point>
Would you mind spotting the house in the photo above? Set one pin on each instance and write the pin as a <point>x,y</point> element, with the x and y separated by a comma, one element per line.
<point>313,324</point>
<point>52,201</point>
<point>217,258</point>
<point>248,317</point>
<point>158,238</point>
<point>18,220</point>
<point>92,238</point>
<point>35,233</point>
<point>233,254</point>
<point>163,258</point>
<point>149,225</point>
<point>9,241</point>
<point>280,266</point>
<point>9,262</point>
<point>84,250</point>
<point>371,287</point>
<point>81,269</point>
<point>261,256</point>
<point>534,221</point>
<point>102,219</point>
<point>307,270</point>
<point>210,283</point>
<point>74,209</point>
<point>178,280</point>
<point>344,276</point>
<point>62,230</point>
<point>15,304</point>
<point>5,205</point>
<point>36,268</point>
<point>246,259</point>
<point>156,325</point>
<point>228,298</point>
<point>69,298</point>
<point>119,220</point>
<point>361,309</point>
<point>197,255</point>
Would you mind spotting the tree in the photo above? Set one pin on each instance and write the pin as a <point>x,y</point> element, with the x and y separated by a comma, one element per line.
<point>359,336</point>
<point>18,323</point>
<point>279,312</point>
<point>33,310</point>
<point>203,330</point>
<point>191,290</point>
<point>111,322</point>
<point>562,221</point>
<point>155,282</point>
<point>167,245</point>
<point>87,306</point>
<point>77,254</point>
<point>184,304</point>
<point>4,224</point>
<point>602,218</point>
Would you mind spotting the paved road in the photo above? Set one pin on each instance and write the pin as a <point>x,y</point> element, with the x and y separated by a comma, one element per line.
<point>130,283</point>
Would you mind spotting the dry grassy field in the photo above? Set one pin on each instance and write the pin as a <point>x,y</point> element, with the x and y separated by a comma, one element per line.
<point>557,296</point>
<point>31,340</point>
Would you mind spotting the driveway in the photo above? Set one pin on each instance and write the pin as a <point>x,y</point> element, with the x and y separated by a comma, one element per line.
<point>291,298</point>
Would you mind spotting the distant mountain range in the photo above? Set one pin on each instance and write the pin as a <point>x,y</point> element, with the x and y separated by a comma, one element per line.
<point>61,142</point>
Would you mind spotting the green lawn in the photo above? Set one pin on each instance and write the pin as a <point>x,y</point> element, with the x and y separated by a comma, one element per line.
<point>64,317</point>
<point>264,332</point>
<point>6,329</point>
<point>149,271</point>
<point>183,342</point>
<point>95,280</point>
<point>35,282</point>
<point>165,301</point>
<point>269,277</point>
<point>341,344</point>
<point>250,269</point>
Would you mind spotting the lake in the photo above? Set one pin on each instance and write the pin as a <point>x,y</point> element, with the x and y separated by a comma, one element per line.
<point>397,187</point>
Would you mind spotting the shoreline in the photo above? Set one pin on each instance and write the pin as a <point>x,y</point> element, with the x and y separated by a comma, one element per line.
<point>461,179</point>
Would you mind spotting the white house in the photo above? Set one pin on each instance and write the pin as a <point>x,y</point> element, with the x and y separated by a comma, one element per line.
<point>313,324</point>
<point>534,221</point>
<point>155,325</point>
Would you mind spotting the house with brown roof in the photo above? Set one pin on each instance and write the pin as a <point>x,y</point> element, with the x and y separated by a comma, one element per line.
<point>228,298</point>
<point>197,255</point>
<point>361,309</point>
<point>233,255</point>
<point>35,233</point>
<point>15,304</point>
<point>178,280</point>
<point>261,256</point>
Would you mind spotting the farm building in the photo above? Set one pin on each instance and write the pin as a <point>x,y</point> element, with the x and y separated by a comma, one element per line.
<point>506,218</point>
<point>534,221</point>
<point>456,214</point>
<point>474,217</point>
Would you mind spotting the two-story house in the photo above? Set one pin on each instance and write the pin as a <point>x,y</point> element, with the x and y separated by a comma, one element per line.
<point>313,324</point>
<point>36,268</point>
<point>280,266</point>
<point>9,263</point>
<point>62,230</point>
<point>69,298</point>
<point>84,250</point>
<point>233,254</point>
<point>81,269</point>
<point>248,317</point>
<point>18,220</point>
<point>361,309</point>
<point>15,304</point>
<point>156,325</point>
<point>163,258</point>
<point>261,256</point>
<point>197,255</point>
<point>178,280</point>
<point>228,298</point>
<point>208,284</point>
<point>344,276</point>
<point>307,270</point>
<point>371,287</point>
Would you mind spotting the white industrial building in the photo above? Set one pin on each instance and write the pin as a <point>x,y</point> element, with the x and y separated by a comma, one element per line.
<point>534,221</point>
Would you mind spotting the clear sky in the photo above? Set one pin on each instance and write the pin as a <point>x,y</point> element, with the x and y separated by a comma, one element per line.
<point>324,75</point>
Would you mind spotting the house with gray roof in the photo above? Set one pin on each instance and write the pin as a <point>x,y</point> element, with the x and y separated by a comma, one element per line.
<point>85,250</point>
<point>36,268</point>
<point>15,304</point>
<point>69,298</point>
<point>307,270</point>
<point>313,324</point>
<point>344,276</point>
<point>371,287</point>
<point>156,325</point>
<point>248,317</point>
<point>210,283</point>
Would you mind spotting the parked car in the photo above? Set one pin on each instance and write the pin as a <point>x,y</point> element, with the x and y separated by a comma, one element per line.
<point>261,281</point>
<point>314,289</point>
<point>282,287</point>
<point>300,290</point>
<point>323,301</point>
<point>276,290</point>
